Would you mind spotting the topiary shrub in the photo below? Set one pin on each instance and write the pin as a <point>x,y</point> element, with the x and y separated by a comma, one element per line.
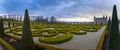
<point>2,33</point>
<point>26,42</point>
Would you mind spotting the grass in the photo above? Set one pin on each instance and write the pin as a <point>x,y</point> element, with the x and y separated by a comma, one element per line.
<point>6,45</point>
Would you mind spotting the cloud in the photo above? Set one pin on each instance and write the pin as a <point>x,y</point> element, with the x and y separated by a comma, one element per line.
<point>60,8</point>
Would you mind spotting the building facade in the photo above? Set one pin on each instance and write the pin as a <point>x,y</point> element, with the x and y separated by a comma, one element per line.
<point>53,19</point>
<point>41,19</point>
<point>102,20</point>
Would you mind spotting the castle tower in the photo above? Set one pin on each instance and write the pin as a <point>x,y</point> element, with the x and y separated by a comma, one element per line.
<point>106,17</point>
<point>94,17</point>
<point>103,16</point>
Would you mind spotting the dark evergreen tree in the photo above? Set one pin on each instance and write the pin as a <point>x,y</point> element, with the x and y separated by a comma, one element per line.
<point>114,31</point>
<point>26,42</point>
<point>1,27</point>
<point>108,25</point>
<point>12,22</point>
<point>9,24</point>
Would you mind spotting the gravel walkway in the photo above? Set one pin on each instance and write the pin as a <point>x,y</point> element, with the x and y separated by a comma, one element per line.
<point>1,48</point>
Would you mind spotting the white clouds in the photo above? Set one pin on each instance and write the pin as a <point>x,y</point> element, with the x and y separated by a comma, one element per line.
<point>65,5</point>
<point>89,8</point>
<point>76,19</point>
<point>64,8</point>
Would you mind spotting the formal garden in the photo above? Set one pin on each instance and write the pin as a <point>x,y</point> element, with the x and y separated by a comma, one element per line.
<point>55,33</point>
<point>17,34</point>
<point>45,33</point>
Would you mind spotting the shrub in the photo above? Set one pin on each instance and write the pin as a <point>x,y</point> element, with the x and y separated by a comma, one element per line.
<point>6,45</point>
<point>26,42</point>
<point>50,34</point>
<point>90,30</point>
<point>57,40</point>
<point>14,32</point>
<point>79,33</point>
<point>2,33</point>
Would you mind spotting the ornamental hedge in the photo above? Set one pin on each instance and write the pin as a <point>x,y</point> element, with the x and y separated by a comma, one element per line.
<point>78,32</point>
<point>90,30</point>
<point>6,45</point>
<point>50,33</point>
<point>56,40</point>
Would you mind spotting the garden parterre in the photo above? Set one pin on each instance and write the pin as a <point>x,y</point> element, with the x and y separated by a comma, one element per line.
<point>51,33</point>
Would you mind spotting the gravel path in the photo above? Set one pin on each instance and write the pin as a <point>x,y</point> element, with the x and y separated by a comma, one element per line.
<point>1,48</point>
<point>88,41</point>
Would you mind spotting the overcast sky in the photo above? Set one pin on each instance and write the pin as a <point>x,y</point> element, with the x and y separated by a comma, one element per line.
<point>64,10</point>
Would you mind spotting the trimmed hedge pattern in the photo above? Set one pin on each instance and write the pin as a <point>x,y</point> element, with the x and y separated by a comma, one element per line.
<point>6,45</point>
<point>78,32</point>
<point>57,40</point>
<point>47,35</point>
<point>91,30</point>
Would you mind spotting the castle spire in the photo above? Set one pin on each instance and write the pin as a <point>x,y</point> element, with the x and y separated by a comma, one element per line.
<point>106,16</point>
<point>103,15</point>
<point>94,16</point>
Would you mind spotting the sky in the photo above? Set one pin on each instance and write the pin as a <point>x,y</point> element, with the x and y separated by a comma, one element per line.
<point>63,10</point>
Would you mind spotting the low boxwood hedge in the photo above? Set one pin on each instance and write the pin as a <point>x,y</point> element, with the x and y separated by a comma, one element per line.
<point>14,32</point>
<point>50,33</point>
<point>56,40</point>
<point>6,45</point>
<point>38,34</point>
<point>90,30</point>
<point>80,33</point>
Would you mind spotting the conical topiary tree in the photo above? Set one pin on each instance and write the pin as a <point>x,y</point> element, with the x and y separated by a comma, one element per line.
<point>108,25</point>
<point>26,42</point>
<point>114,31</point>
<point>1,27</point>
<point>9,24</point>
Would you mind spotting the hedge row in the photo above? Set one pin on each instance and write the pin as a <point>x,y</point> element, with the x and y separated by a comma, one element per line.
<point>79,32</point>
<point>49,34</point>
<point>90,30</point>
<point>6,45</point>
<point>56,40</point>
<point>37,34</point>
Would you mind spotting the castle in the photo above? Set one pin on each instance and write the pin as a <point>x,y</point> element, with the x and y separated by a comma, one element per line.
<point>102,20</point>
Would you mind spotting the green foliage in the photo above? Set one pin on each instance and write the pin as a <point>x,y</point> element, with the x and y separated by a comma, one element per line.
<point>26,42</point>
<point>56,40</point>
<point>6,45</point>
<point>9,25</point>
<point>44,33</point>
<point>79,32</point>
<point>91,30</point>
<point>49,33</point>
<point>1,28</point>
<point>114,32</point>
